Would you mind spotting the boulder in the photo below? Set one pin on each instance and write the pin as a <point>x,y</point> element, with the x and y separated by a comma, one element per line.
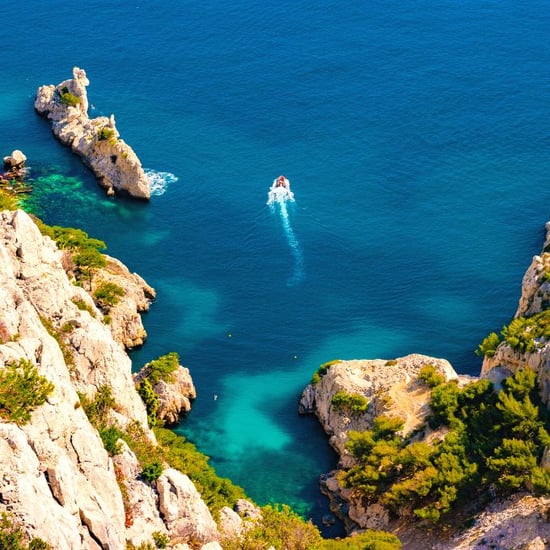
<point>15,161</point>
<point>184,512</point>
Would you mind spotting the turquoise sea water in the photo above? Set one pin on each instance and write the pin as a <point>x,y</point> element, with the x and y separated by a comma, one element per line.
<point>415,136</point>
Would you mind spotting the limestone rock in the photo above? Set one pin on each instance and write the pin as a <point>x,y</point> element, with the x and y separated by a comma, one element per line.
<point>391,387</point>
<point>14,164</point>
<point>96,140</point>
<point>142,517</point>
<point>125,321</point>
<point>56,478</point>
<point>174,396</point>
<point>185,513</point>
<point>518,522</point>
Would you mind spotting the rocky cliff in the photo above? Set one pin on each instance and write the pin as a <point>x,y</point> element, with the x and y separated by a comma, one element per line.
<point>96,140</point>
<point>392,388</point>
<point>56,478</point>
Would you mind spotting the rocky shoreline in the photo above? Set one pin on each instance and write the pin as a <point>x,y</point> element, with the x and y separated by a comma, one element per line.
<point>58,479</point>
<point>96,140</point>
<point>392,388</point>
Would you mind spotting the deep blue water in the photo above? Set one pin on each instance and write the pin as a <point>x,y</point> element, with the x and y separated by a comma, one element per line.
<point>415,136</point>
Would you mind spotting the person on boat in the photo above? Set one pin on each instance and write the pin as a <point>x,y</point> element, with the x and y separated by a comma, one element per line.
<point>281,181</point>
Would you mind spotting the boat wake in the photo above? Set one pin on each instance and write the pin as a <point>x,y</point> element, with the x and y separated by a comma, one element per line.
<point>159,181</point>
<point>278,196</point>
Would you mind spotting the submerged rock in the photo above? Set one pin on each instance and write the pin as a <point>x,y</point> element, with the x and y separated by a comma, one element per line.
<point>95,140</point>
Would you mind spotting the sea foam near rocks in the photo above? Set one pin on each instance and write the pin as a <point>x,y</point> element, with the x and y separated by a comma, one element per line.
<point>159,181</point>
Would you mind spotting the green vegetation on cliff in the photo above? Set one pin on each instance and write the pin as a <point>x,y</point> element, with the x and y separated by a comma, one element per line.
<point>489,439</point>
<point>523,334</point>
<point>13,536</point>
<point>351,403</point>
<point>22,389</point>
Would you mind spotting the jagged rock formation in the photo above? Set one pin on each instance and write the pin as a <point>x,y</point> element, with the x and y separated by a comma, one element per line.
<point>392,388</point>
<point>174,395</point>
<point>95,140</point>
<point>56,477</point>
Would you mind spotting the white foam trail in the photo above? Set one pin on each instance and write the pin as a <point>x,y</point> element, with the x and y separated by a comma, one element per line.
<point>278,197</point>
<point>159,181</point>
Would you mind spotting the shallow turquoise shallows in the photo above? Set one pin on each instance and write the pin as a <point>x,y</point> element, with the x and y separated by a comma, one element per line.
<point>415,135</point>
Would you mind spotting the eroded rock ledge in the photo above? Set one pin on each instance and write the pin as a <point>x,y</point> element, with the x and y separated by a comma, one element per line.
<point>96,140</point>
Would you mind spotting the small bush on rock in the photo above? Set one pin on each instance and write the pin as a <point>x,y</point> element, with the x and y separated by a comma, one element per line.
<point>22,389</point>
<point>152,471</point>
<point>352,403</point>
<point>107,295</point>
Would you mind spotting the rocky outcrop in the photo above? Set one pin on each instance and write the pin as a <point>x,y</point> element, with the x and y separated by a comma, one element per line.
<point>391,388</point>
<point>174,395</point>
<point>95,140</point>
<point>56,478</point>
<point>124,319</point>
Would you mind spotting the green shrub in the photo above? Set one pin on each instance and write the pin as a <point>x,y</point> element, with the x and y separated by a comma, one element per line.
<point>69,99</point>
<point>13,537</point>
<point>106,134</point>
<point>431,376</point>
<point>84,249</point>
<point>110,437</point>
<point>69,237</point>
<point>162,368</point>
<point>8,201</point>
<point>368,540</point>
<point>22,389</point>
<point>352,403</point>
<point>523,333</point>
<point>322,370</point>
<point>488,346</point>
<point>150,399</point>
<point>107,295</point>
<point>161,540</point>
<point>152,471</point>
<point>83,305</point>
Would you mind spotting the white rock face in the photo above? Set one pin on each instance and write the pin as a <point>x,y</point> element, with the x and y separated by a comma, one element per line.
<point>96,140</point>
<point>56,479</point>
<point>125,319</point>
